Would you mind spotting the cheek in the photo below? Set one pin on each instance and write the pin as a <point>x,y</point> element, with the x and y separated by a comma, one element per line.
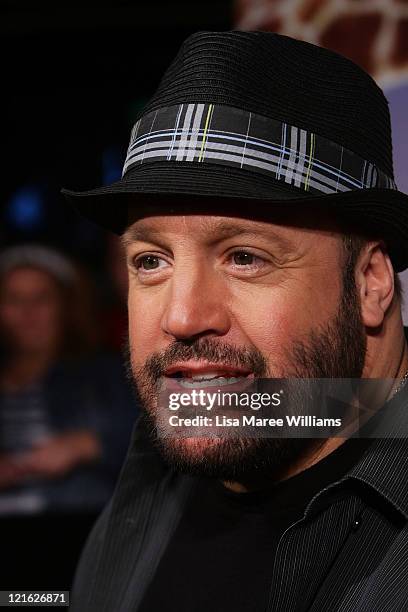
<point>269,322</point>
<point>273,318</point>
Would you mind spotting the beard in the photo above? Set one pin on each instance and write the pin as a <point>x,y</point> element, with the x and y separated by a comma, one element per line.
<point>336,350</point>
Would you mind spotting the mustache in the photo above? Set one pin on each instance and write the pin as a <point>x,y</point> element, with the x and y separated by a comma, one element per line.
<point>201,349</point>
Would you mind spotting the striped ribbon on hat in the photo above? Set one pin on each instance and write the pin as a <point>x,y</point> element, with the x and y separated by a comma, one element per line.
<point>218,134</point>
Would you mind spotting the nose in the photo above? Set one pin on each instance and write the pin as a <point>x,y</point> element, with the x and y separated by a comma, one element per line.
<point>196,305</point>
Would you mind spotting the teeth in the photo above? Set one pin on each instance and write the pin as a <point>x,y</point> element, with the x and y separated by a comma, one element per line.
<point>204,376</point>
<point>207,375</point>
<point>207,381</point>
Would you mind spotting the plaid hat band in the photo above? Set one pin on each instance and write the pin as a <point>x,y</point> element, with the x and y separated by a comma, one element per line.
<point>257,121</point>
<point>219,134</point>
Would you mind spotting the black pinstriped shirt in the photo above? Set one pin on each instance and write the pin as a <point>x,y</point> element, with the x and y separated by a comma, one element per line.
<point>347,553</point>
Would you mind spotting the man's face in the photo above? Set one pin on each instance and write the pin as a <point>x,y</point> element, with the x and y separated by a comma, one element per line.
<point>220,296</point>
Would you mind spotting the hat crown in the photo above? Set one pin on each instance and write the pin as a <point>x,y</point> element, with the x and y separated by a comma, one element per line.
<point>284,79</point>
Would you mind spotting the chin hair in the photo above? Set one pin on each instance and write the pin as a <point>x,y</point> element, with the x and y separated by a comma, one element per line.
<point>237,459</point>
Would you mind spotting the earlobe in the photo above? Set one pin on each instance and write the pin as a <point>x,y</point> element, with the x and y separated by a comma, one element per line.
<point>375,279</point>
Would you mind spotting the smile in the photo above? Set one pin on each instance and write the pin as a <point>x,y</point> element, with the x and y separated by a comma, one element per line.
<point>197,375</point>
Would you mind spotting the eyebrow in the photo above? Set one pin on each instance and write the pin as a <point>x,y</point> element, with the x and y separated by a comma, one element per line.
<point>139,234</point>
<point>219,230</point>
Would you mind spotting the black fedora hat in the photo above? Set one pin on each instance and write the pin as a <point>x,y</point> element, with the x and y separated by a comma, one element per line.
<point>264,119</point>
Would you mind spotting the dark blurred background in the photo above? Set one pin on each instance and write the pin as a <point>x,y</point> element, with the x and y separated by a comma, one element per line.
<point>74,75</point>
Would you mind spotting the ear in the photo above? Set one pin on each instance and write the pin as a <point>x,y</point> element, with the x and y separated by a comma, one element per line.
<point>375,282</point>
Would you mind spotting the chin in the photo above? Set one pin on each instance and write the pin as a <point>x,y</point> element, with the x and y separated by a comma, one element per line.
<point>199,456</point>
<point>194,449</point>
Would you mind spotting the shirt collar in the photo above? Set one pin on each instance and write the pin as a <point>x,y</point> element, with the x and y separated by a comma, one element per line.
<point>383,467</point>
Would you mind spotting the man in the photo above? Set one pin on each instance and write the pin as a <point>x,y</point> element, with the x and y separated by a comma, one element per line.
<point>263,230</point>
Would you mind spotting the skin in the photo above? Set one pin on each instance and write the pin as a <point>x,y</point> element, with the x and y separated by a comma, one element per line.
<point>199,284</point>
<point>31,321</point>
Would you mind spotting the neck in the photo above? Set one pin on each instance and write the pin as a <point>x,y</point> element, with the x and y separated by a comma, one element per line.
<point>316,453</point>
<point>387,352</point>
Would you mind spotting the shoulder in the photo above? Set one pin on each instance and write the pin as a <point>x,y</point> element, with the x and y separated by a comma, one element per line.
<point>387,587</point>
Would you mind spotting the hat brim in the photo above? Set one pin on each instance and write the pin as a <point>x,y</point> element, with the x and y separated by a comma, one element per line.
<point>383,211</point>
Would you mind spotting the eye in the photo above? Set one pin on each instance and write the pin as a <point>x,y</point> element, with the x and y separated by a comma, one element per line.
<point>243,258</point>
<point>243,262</point>
<point>149,263</point>
<point>246,259</point>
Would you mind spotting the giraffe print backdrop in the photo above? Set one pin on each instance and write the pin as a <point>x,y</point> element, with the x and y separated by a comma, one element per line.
<point>373,33</point>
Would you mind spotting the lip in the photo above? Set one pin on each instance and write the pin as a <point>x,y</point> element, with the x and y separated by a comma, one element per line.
<point>194,368</point>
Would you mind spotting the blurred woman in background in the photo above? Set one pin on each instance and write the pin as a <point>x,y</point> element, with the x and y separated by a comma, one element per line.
<point>65,413</point>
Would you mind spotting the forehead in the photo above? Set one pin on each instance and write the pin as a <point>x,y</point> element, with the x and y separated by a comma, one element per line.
<point>199,226</point>
<point>283,228</point>
<point>197,231</point>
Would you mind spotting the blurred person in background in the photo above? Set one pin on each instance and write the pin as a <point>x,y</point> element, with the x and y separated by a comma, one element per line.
<point>63,425</point>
